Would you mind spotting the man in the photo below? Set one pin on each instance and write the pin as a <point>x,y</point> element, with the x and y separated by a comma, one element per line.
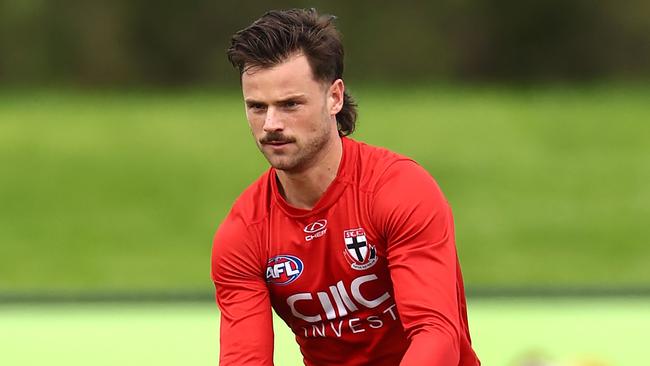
<point>352,245</point>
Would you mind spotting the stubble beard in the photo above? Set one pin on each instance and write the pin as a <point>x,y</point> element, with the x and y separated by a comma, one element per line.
<point>307,152</point>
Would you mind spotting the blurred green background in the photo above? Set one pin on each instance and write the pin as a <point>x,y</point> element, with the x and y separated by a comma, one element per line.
<point>123,143</point>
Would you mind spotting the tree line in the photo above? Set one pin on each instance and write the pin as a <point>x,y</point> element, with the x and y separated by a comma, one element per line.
<point>173,42</point>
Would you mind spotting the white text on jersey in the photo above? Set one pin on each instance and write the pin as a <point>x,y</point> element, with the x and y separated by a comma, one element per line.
<point>342,299</point>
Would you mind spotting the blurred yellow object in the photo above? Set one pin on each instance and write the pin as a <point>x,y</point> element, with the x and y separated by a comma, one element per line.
<point>540,358</point>
<point>534,358</point>
<point>589,362</point>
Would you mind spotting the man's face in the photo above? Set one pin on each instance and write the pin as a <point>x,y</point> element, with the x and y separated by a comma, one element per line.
<point>290,114</point>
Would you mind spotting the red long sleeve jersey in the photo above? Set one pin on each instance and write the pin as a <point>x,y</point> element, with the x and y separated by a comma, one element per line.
<point>369,276</point>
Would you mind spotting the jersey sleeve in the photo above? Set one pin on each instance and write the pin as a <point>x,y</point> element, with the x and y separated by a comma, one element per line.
<point>246,334</point>
<point>415,220</point>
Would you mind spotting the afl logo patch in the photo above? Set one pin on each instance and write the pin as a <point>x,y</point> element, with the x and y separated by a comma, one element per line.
<point>283,269</point>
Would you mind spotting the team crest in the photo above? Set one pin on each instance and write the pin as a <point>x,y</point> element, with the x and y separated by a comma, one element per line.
<point>358,252</point>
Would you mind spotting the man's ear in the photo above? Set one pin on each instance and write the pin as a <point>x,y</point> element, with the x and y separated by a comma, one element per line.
<point>335,96</point>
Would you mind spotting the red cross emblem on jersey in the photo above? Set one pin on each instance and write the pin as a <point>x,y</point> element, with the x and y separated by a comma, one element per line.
<point>358,252</point>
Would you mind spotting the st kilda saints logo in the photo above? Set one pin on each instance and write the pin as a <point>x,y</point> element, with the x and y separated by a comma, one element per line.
<point>358,252</point>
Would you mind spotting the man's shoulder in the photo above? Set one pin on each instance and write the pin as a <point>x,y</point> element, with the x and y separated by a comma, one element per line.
<point>375,161</point>
<point>382,154</point>
<point>254,202</point>
<point>391,174</point>
<point>235,244</point>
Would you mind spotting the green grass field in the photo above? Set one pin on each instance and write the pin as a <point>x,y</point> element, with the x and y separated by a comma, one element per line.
<point>123,190</point>
<point>504,331</point>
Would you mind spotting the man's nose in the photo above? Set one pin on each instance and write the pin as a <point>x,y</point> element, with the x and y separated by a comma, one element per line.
<point>273,120</point>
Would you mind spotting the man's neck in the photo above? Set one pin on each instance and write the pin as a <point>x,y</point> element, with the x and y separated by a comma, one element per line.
<point>305,188</point>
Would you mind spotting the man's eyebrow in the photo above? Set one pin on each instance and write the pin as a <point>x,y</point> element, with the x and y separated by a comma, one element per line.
<point>291,97</point>
<point>284,99</point>
<point>252,101</point>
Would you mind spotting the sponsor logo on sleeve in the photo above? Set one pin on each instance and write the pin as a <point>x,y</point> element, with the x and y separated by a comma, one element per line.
<point>358,252</point>
<point>283,269</point>
<point>315,230</point>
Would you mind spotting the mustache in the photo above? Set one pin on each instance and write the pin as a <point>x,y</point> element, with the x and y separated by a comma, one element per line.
<point>276,137</point>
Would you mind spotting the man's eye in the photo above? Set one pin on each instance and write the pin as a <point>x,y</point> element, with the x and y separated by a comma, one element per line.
<point>290,104</point>
<point>256,107</point>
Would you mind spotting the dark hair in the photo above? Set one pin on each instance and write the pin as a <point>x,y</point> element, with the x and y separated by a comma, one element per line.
<point>278,34</point>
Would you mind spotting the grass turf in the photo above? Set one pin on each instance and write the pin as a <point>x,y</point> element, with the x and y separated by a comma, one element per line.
<point>612,331</point>
<point>114,191</point>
